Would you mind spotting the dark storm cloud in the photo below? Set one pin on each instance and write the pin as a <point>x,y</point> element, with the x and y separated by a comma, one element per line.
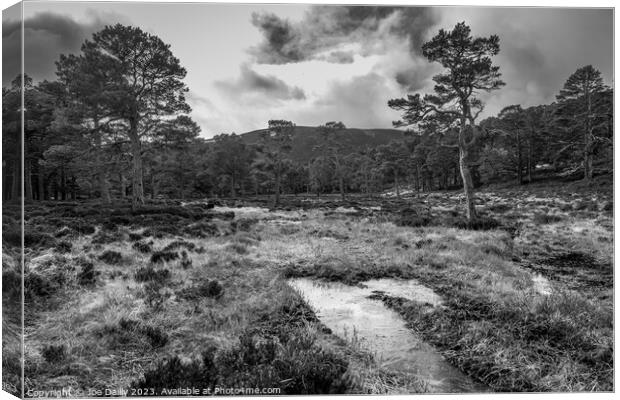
<point>68,32</point>
<point>251,82</point>
<point>324,28</point>
<point>414,78</point>
<point>46,36</point>
<point>281,40</point>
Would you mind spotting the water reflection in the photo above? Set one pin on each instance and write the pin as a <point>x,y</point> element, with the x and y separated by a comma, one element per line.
<point>350,314</point>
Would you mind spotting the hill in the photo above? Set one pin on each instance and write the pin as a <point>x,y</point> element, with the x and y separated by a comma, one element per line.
<point>306,138</point>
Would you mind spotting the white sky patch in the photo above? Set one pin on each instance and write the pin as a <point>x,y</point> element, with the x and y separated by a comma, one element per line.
<point>316,77</point>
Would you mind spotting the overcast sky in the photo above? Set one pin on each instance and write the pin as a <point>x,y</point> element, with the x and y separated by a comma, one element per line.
<point>247,64</point>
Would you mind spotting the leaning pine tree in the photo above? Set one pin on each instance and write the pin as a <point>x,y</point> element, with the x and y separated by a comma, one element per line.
<point>468,71</point>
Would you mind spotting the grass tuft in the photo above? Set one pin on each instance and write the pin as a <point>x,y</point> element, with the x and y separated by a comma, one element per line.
<point>54,354</point>
<point>111,257</point>
<point>163,256</point>
<point>208,288</point>
<point>88,275</point>
<point>414,217</point>
<point>543,219</point>
<point>63,247</point>
<point>479,224</point>
<point>143,247</point>
<point>148,273</point>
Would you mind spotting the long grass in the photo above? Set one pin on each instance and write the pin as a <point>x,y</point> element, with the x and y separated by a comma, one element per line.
<point>103,313</point>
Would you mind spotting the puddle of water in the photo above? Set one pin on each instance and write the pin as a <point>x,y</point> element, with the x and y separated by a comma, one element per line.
<point>350,314</point>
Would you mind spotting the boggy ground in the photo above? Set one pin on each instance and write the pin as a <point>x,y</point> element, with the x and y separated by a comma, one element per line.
<point>172,296</point>
<point>184,295</point>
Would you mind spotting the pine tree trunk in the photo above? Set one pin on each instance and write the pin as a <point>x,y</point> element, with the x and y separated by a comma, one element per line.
<point>587,156</point>
<point>5,186</point>
<point>464,147</point>
<point>16,183</point>
<point>27,181</point>
<point>232,186</point>
<point>341,182</point>
<point>101,172</point>
<point>587,150</point>
<point>123,185</point>
<point>73,188</point>
<point>40,181</point>
<point>46,190</point>
<point>587,162</point>
<point>153,186</point>
<point>181,186</point>
<point>468,186</point>
<point>417,178</point>
<point>519,160</point>
<point>529,160</point>
<point>63,184</point>
<point>277,186</point>
<point>137,188</point>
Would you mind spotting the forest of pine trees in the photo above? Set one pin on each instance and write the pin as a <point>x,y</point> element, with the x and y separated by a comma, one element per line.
<point>115,125</point>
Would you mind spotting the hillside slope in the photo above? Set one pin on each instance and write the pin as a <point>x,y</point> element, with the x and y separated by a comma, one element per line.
<point>306,138</point>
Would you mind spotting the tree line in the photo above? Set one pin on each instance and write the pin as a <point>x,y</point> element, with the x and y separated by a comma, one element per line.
<point>115,124</point>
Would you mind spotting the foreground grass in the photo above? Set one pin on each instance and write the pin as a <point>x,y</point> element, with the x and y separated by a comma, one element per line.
<point>496,325</point>
<point>183,296</point>
<point>11,322</point>
<point>133,306</point>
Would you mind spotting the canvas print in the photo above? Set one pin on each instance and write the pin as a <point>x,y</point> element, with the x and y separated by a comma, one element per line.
<point>293,199</point>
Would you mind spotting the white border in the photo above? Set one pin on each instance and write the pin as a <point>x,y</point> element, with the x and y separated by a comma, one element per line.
<point>478,3</point>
